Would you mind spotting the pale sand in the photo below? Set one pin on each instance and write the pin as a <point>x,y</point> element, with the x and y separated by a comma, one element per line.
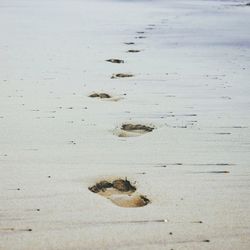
<point>191,81</point>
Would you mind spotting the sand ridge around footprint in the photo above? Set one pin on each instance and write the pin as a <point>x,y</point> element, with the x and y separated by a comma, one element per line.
<point>132,130</point>
<point>120,192</point>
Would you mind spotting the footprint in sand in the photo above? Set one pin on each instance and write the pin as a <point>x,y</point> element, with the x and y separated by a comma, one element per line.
<point>129,43</point>
<point>120,192</point>
<point>140,37</point>
<point>100,95</point>
<point>115,60</point>
<point>105,96</point>
<point>131,130</point>
<point>133,51</point>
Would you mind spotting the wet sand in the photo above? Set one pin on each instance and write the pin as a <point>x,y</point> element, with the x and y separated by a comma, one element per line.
<point>169,112</point>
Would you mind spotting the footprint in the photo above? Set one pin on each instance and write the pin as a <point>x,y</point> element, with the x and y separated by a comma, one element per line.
<point>115,61</point>
<point>121,75</point>
<point>133,51</point>
<point>100,95</point>
<point>120,192</point>
<point>106,96</point>
<point>130,43</point>
<point>131,130</point>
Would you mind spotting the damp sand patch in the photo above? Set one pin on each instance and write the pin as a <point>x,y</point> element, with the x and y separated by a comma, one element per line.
<point>120,192</point>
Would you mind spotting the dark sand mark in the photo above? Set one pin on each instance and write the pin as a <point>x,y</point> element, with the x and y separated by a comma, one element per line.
<point>31,149</point>
<point>123,222</point>
<point>14,189</point>
<point>137,222</point>
<point>141,173</point>
<point>242,5</point>
<point>187,115</point>
<point>223,133</point>
<point>179,126</point>
<point>226,97</point>
<point>196,164</point>
<point>72,142</point>
<point>100,95</point>
<point>121,75</point>
<point>162,166</point>
<point>238,127</point>
<point>133,51</point>
<point>140,37</point>
<point>140,32</point>
<point>169,164</point>
<point>215,172</point>
<point>214,164</point>
<point>115,60</point>
<point>11,229</point>
<point>120,192</point>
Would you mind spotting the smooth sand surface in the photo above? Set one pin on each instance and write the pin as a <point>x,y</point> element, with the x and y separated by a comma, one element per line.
<point>191,83</point>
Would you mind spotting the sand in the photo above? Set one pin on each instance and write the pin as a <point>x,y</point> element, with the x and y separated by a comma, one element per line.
<point>189,81</point>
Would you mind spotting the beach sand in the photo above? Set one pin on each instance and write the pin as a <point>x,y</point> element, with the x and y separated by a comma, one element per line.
<point>175,124</point>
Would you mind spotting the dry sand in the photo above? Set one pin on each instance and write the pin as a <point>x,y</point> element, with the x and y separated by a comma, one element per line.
<point>190,82</point>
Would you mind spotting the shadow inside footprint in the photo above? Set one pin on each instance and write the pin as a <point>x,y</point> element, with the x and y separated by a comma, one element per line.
<point>120,192</point>
<point>130,130</point>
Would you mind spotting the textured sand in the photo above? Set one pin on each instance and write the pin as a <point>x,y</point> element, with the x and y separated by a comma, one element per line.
<point>191,82</point>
